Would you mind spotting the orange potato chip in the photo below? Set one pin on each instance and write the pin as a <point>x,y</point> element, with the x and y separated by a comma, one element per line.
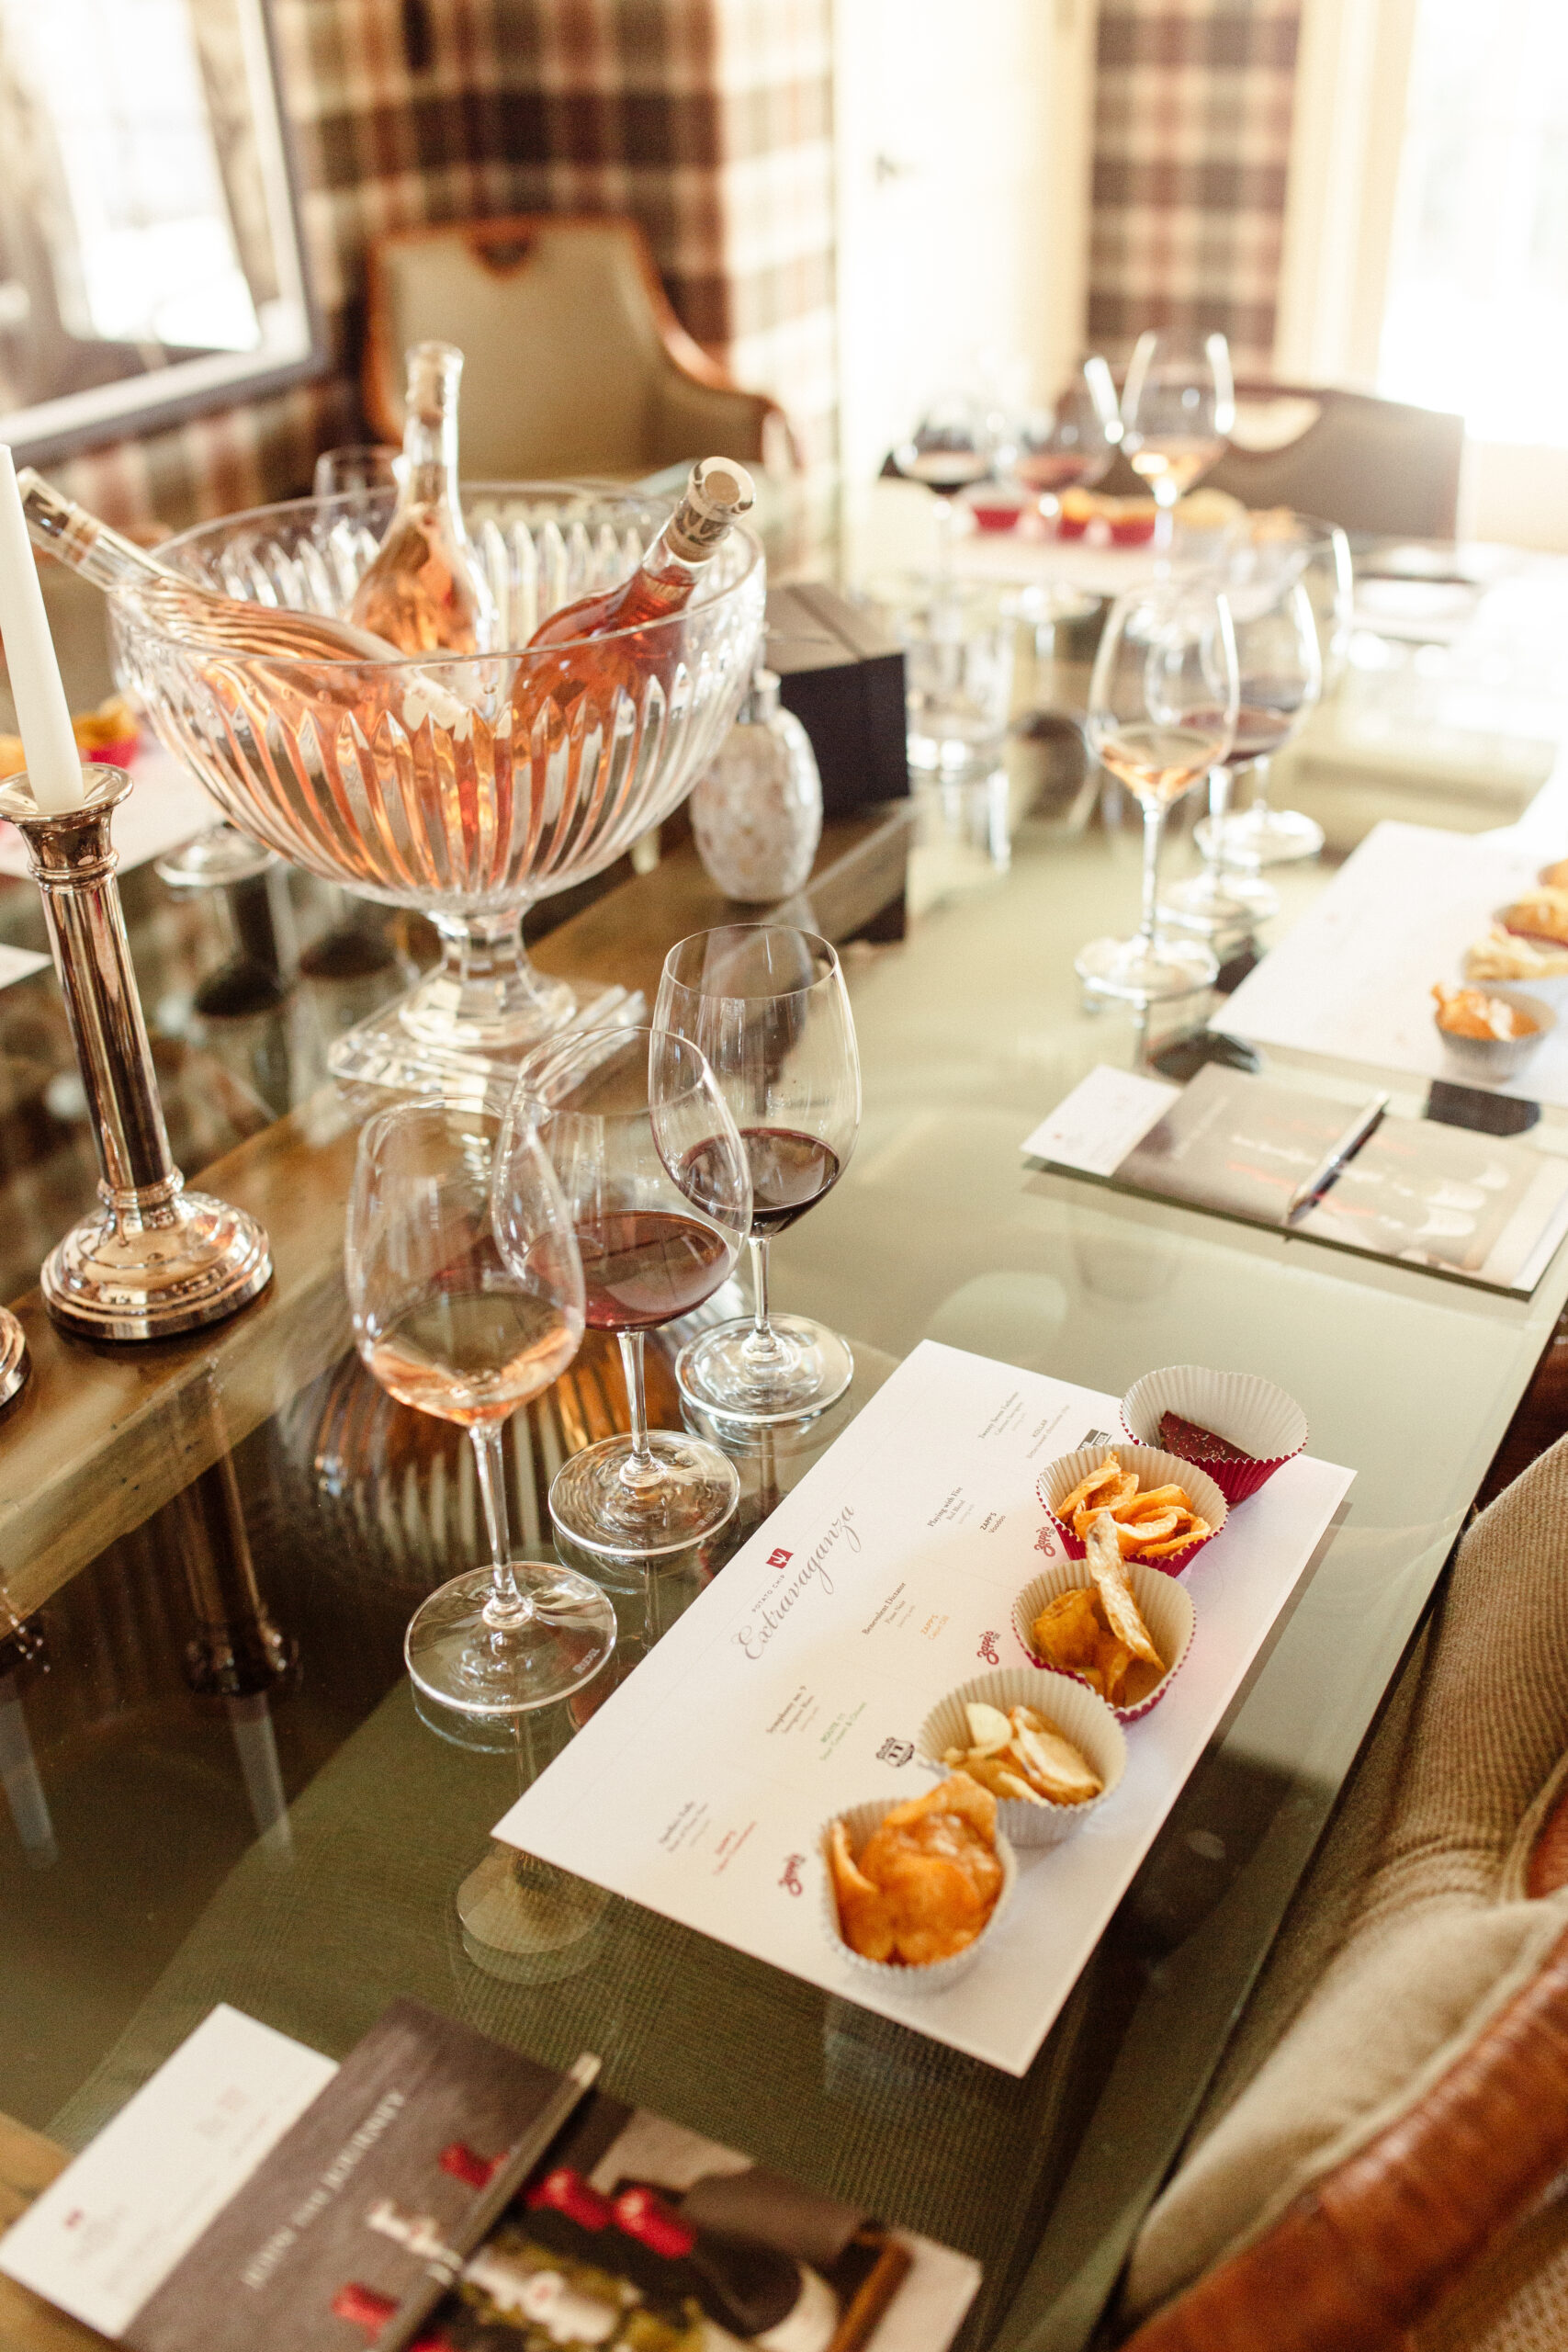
<point>1110,1469</point>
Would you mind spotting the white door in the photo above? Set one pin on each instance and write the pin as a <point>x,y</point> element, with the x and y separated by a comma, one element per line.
<point>962,145</point>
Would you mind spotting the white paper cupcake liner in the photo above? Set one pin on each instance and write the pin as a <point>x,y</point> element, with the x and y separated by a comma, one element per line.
<point>1242,1407</point>
<point>860,1820</point>
<point>1058,1479</point>
<point>1080,1713</point>
<point>1166,1606</point>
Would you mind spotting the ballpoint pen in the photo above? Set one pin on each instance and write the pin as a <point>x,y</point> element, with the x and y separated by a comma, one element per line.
<point>441,2274</point>
<point>1334,1159</point>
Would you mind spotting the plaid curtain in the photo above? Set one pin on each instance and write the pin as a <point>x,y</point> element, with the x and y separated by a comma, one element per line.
<point>709,120</point>
<point>1191,143</point>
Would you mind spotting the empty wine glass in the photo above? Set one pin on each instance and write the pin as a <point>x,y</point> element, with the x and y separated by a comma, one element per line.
<point>768,1008</point>
<point>1162,711</point>
<point>1070,445</point>
<point>1282,670</point>
<point>1178,407</point>
<point>659,1191</point>
<point>447,1325</point>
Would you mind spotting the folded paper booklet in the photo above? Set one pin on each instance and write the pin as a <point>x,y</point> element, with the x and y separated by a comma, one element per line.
<point>251,2195</point>
<point>1483,1209</point>
<point>795,1687</point>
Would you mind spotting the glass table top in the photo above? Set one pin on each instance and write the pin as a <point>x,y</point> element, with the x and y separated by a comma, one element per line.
<point>311,1852</point>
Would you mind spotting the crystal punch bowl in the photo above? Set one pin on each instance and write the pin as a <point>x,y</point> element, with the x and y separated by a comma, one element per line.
<point>468,787</point>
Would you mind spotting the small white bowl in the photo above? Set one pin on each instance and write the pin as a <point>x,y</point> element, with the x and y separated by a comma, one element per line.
<point>1251,1412</point>
<point>1080,1713</point>
<point>1165,1604</point>
<point>1498,1057</point>
<point>1058,1479</point>
<point>893,1975</point>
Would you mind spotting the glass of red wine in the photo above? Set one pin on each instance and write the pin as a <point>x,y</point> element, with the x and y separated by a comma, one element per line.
<point>768,1007</point>
<point>448,1324</point>
<point>1070,446</point>
<point>658,1192</point>
<point>1280,671</point>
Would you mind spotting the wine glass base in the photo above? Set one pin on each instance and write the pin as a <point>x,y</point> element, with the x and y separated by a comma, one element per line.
<point>1146,972</point>
<point>1261,837</point>
<point>461,1662</point>
<point>695,1492</point>
<point>221,855</point>
<point>381,1051</point>
<point>1217,903</point>
<point>527,1922</point>
<point>811,1370</point>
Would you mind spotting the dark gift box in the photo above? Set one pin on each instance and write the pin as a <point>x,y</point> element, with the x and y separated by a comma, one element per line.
<point>842,673</point>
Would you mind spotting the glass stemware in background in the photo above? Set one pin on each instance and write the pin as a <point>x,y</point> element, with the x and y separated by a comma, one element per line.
<point>1162,712</point>
<point>1283,666</point>
<point>1178,407</point>
<point>949,448</point>
<point>659,1191</point>
<point>1280,674</point>
<point>448,1326</point>
<point>357,470</point>
<point>1070,446</point>
<point>767,1006</point>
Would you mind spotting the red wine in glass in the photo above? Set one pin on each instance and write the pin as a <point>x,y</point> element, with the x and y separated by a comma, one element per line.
<point>790,1173</point>
<point>643,1267</point>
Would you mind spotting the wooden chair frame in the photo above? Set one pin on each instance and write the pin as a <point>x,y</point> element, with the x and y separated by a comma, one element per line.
<point>505,245</point>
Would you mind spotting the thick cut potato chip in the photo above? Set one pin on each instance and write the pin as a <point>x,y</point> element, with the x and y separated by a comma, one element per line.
<point>1116,1597</point>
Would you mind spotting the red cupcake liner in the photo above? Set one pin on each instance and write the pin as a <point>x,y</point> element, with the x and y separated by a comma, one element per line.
<point>1155,1469</point>
<point>1251,1412</point>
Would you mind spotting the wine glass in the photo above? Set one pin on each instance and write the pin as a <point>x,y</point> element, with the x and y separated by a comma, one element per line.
<point>659,1191</point>
<point>445,1323</point>
<point>1070,445</point>
<point>1178,407</point>
<point>357,470</point>
<point>768,1008</point>
<point>1281,670</point>
<point>949,446</point>
<point>1162,712</point>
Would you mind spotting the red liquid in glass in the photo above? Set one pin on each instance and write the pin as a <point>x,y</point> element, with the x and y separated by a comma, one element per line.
<point>790,1172</point>
<point>645,1266</point>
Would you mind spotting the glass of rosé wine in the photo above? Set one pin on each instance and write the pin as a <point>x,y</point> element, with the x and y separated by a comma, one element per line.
<point>448,1324</point>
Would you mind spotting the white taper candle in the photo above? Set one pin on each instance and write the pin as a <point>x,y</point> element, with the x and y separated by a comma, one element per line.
<point>43,715</point>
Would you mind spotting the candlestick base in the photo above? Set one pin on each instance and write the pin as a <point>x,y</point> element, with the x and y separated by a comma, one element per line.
<point>13,1356</point>
<point>140,1273</point>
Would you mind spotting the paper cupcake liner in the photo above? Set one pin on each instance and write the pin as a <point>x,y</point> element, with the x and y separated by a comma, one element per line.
<point>1241,1406</point>
<point>1166,1606</point>
<point>860,1820</point>
<point>1080,1713</point>
<point>1058,1478</point>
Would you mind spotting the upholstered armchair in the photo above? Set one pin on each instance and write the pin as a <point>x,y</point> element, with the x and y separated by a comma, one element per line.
<point>577,365</point>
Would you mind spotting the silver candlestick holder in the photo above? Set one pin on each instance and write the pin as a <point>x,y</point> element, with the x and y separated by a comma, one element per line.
<point>13,1356</point>
<point>156,1260</point>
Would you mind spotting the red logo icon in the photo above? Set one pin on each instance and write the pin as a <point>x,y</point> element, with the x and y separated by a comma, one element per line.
<point>987,1649</point>
<point>791,1879</point>
<point>780,1559</point>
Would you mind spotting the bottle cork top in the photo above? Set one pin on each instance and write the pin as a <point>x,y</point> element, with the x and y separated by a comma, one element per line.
<point>719,491</point>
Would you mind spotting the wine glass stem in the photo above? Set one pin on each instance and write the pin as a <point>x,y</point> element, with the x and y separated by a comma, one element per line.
<point>1219,810</point>
<point>507,1607</point>
<point>1154,833</point>
<point>761,1345</point>
<point>640,1469</point>
<point>1260,785</point>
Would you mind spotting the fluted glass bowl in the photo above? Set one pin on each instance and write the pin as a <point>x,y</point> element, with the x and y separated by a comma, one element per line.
<point>466,787</point>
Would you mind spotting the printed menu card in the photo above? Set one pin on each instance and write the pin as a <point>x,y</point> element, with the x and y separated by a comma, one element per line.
<point>796,1684</point>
